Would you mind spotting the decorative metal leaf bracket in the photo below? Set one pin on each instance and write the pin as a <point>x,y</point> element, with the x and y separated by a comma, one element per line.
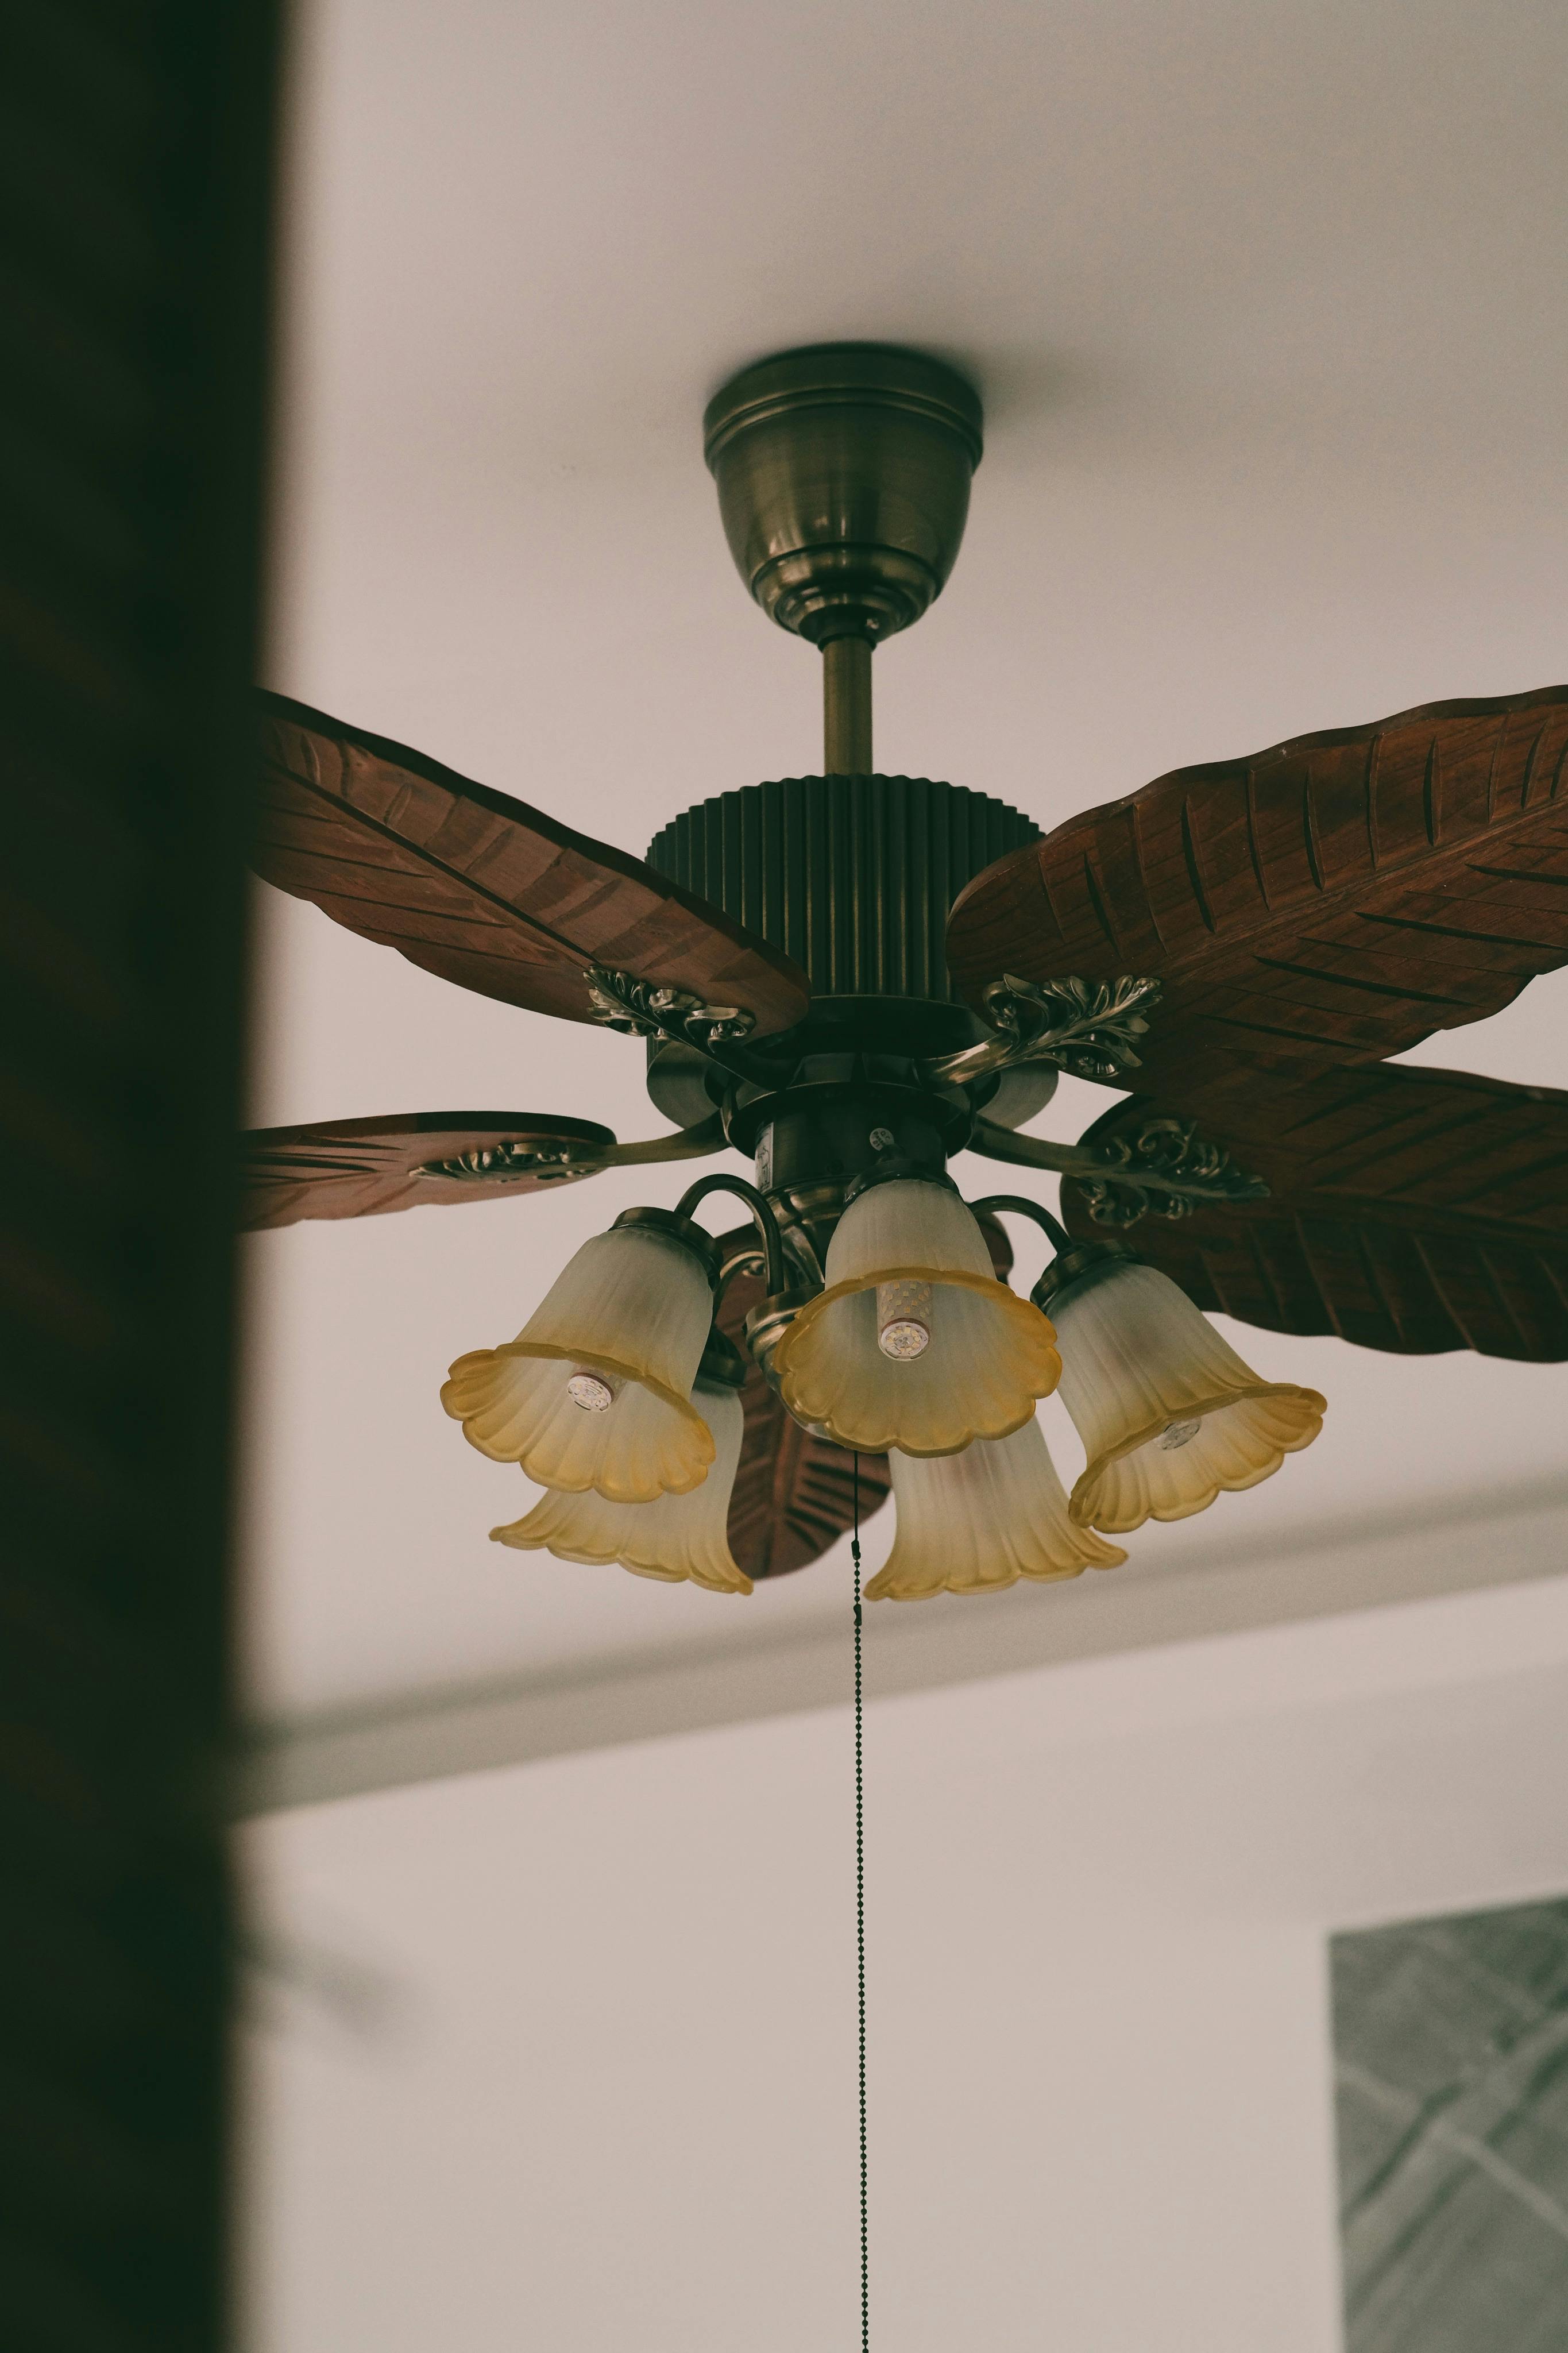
<point>491,1162</point>
<point>552,1162</point>
<point>647,1009</point>
<point>1166,1168</point>
<point>1161,1168</point>
<point>1084,1027</point>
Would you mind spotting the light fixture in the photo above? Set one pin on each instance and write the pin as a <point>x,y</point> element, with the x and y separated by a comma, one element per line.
<point>674,1538</point>
<point>595,1391</point>
<point>981,1519</point>
<point>913,1342</point>
<point>850,979</point>
<point>1169,1415</point>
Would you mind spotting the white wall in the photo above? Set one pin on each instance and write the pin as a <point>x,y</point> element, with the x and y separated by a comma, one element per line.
<point>568,2056</point>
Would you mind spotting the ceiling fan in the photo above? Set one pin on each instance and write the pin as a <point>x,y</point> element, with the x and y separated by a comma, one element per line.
<point>847,978</point>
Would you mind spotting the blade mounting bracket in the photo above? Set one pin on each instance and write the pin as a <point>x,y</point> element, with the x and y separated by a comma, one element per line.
<point>651,1009</point>
<point>1087,1027</point>
<point>1164,1168</point>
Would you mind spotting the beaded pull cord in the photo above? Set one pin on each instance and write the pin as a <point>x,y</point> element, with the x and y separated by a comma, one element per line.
<point>861,1911</point>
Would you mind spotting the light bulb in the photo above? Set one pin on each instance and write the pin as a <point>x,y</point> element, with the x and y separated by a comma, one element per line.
<point>903,1318</point>
<point>975,1522</point>
<point>913,1342</point>
<point>1169,1414</point>
<point>674,1539</point>
<point>595,1391</point>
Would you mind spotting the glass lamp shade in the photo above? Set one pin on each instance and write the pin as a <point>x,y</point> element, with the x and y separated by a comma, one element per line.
<point>1168,1413</point>
<point>595,1390</point>
<point>674,1538</point>
<point>975,1522</point>
<point>913,1342</point>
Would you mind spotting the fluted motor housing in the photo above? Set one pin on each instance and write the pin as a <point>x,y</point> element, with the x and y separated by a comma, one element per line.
<point>852,876</point>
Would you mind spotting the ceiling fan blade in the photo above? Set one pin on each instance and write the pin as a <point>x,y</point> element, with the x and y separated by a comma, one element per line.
<point>366,1167</point>
<point>1330,902</point>
<point>483,890</point>
<point>795,1494</point>
<point>1413,1210</point>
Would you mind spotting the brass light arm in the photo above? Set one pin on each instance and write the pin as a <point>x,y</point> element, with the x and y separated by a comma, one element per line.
<point>1086,1026</point>
<point>1070,1258</point>
<point>1055,1232</point>
<point>746,1259</point>
<point>1164,1169</point>
<point>762,1217</point>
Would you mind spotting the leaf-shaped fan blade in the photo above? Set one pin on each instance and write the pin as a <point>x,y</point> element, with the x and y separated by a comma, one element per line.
<point>483,890</point>
<point>364,1167</point>
<point>1413,1210</point>
<point>1330,902</point>
<point>795,1494</point>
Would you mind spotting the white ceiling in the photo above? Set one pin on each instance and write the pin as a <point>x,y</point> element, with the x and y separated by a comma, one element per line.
<point>1266,305</point>
<point>565,2056</point>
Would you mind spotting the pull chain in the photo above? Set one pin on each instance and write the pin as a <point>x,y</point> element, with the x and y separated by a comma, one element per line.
<point>860,1912</point>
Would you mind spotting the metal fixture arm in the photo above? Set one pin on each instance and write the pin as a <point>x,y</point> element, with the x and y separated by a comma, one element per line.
<point>686,1144</point>
<point>487,1163</point>
<point>722,1181</point>
<point>1072,1259</point>
<point>1079,1160</point>
<point>1166,1170</point>
<point>1055,1232</point>
<point>847,707</point>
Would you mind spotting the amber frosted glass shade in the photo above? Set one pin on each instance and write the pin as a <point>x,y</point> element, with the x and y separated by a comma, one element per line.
<point>975,1522</point>
<point>989,1357</point>
<point>626,1322</point>
<point>1168,1413</point>
<point>675,1539</point>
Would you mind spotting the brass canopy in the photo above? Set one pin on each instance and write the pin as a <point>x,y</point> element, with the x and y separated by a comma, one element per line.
<point>843,475</point>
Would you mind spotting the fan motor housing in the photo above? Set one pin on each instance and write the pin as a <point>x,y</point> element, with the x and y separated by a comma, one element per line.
<point>853,878</point>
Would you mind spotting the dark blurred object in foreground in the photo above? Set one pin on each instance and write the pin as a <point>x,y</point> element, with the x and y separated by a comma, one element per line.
<point>136,155</point>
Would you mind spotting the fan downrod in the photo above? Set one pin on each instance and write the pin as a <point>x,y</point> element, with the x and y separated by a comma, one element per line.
<point>843,472</point>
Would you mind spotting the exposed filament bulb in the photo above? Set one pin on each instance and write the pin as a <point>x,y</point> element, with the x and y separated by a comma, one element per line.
<point>903,1318</point>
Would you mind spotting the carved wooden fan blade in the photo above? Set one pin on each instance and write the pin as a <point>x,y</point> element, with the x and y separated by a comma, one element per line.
<point>1330,902</point>
<point>483,890</point>
<point>1413,1210</point>
<point>364,1167</point>
<point>795,1494</point>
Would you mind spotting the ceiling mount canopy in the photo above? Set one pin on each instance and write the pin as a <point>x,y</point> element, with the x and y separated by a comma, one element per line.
<point>843,474</point>
<point>849,978</point>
